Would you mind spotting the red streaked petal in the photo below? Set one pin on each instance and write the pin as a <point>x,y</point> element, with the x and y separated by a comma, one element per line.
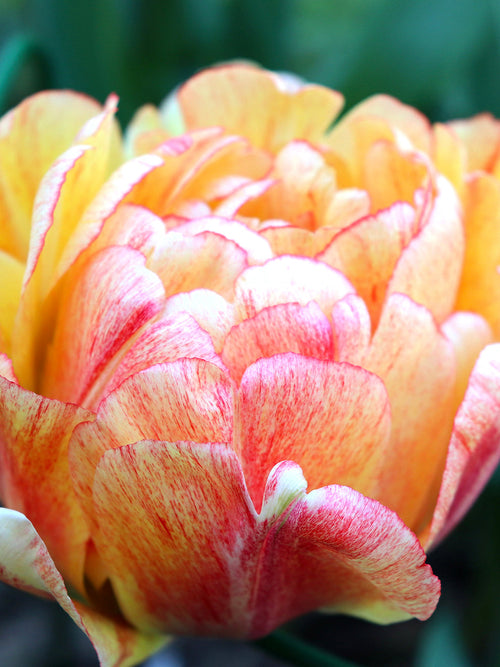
<point>351,329</point>
<point>185,399</point>
<point>475,446</point>
<point>173,337</point>
<point>332,419</point>
<point>26,564</point>
<point>107,300</point>
<point>34,435</point>
<point>189,555</point>
<point>283,328</point>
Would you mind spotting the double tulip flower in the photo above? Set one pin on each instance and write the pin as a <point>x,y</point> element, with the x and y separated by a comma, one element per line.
<point>248,364</point>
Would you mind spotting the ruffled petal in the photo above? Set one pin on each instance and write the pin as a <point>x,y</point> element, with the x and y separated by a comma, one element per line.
<point>180,513</point>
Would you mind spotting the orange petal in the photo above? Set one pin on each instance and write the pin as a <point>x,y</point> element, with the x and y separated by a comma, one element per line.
<point>417,364</point>
<point>430,267</point>
<point>480,136</point>
<point>474,449</point>
<point>26,564</point>
<point>480,285</point>
<point>256,104</point>
<point>316,413</point>
<point>34,435</point>
<point>368,251</point>
<point>188,553</point>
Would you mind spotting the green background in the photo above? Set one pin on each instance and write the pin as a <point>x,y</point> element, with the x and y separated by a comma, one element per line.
<point>443,56</point>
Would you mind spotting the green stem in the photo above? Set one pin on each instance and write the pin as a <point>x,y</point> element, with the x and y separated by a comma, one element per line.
<point>286,646</point>
<point>15,54</point>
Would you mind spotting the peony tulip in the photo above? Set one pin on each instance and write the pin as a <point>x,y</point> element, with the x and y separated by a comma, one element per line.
<point>248,360</point>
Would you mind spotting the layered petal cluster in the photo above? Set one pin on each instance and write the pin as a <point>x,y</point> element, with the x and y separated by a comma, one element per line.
<point>248,357</point>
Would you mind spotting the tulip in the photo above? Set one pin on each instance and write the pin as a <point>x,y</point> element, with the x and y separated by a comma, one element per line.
<point>246,369</point>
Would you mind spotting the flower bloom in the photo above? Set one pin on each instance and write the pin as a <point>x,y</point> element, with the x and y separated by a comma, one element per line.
<point>248,361</point>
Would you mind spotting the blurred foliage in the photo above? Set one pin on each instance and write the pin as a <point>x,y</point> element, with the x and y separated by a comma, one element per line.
<point>441,56</point>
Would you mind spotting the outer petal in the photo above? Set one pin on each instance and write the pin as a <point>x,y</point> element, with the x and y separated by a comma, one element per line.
<point>26,564</point>
<point>32,136</point>
<point>475,446</point>
<point>280,112</point>
<point>12,271</point>
<point>186,399</point>
<point>34,435</point>
<point>332,419</point>
<point>106,302</point>
<point>180,513</point>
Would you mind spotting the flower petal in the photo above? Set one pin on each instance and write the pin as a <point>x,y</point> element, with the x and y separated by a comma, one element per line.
<point>186,399</point>
<point>212,312</point>
<point>475,446</point>
<point>289,280</point>
<point>316,413</point>
<point>12,271</point>
<point>417,365</point>
<point>221,96</point>
<point>368,250</point>
<point>32,136</point>
<point>34,435</point>
<point>107,300</point>
<point>480,286</point>
<point>430,267</point>
<point>180,513</point>
<point>26,564</point>
<point>283,328</point>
